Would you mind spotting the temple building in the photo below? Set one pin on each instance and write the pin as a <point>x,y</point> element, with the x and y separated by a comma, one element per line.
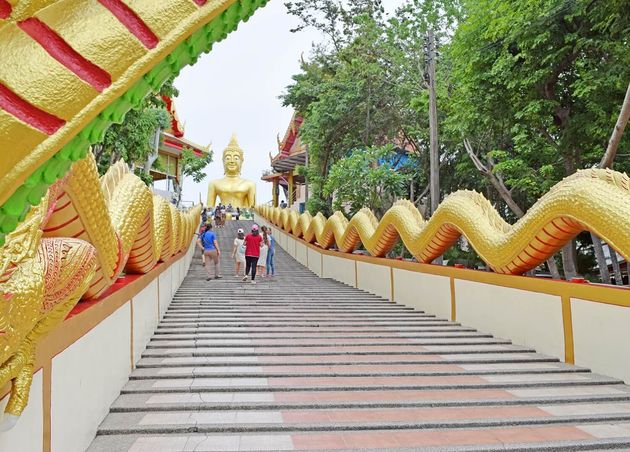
<point>283,174</point>
<point>171,145</point>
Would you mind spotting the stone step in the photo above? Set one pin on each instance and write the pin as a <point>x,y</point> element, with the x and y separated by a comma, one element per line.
<point>330,351</point>
<point>304,324</point>
<point>175,315</point>
<point>191,341</point>
<point>302,363</point>
<point>373,371</point>
<point>536,438</point>
<point>349,360</point>
<point>255,310</point>
<point>195,401</point>
<point>398,418</point>
<point>239,338</point>
<point>341,383</point>
<point>203,343</point>
<point>447,328</point>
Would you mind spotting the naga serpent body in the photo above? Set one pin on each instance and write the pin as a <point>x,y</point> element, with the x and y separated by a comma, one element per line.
<point>590,200</point>
<point>75,244</point>
<point>71,68</point>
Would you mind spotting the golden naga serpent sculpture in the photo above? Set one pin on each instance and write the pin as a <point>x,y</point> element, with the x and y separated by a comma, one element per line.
<point>593,200</point>
<point>71,68</point>
<point>75,244</point>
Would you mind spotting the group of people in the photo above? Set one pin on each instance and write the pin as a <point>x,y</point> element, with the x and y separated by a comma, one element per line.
<point>254,252</point>
<point>219,214</point>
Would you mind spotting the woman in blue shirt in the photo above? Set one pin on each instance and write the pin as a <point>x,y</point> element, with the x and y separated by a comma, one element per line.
<point>210,247</point>
<point>271,270</point>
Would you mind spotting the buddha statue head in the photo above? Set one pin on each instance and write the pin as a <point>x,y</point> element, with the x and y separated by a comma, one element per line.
<point>233,158</point>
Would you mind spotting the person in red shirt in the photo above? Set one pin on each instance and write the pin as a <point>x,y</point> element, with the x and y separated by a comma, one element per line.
<point>253,242</point>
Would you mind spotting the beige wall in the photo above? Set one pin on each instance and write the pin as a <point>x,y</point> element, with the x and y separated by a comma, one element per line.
<point>86,379</point>
<point>527,318</point>
<point>601,334</point>
<point>165,291</point>
<point>145,317</point>
<point>375,279</point>
<point>28,434</point>
<point>428,293</point>
<point>315,261</point>
<point>340,269</point>
<point>301,253</point>
<point>87,376</point>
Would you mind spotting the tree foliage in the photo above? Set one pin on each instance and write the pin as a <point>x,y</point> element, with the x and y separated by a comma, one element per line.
<point>192,165</point>
<point>366,178</point>
<point>133,140</point>
<point>533,86</point>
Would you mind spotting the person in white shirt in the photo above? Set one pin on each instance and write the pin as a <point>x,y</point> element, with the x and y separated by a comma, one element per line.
<point>264,249</point>
<point>238,252</point>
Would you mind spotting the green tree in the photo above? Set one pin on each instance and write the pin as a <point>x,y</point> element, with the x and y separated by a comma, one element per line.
<point>532,87</point>
<point>346,91</point>
<point>134,140</point>
<point>536,88</point>
<point>191,165</point>
<point>366,179</point>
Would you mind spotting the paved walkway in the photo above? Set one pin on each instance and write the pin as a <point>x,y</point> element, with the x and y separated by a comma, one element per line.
<point>303,363</point>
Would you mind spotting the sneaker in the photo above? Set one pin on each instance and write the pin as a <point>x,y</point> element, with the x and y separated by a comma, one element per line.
<point>244,278</point>
<point>253,282</point>
<point>208,279</point>
<point>218,277</point>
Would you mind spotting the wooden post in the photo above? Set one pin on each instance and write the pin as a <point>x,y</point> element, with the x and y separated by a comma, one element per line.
<point>434,156</point>
<point>290,191</point>
<point>275,192</point>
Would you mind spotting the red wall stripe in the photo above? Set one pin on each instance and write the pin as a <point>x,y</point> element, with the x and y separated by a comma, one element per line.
<point>30,114</point>
<point>132,21</point>
<point>61,51</point>
<point>5,9</point>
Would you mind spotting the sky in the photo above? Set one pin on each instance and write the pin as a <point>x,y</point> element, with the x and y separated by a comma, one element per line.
<point>235,89</point>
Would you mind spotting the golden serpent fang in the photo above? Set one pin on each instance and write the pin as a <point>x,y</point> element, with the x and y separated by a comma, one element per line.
<point>590,200</point>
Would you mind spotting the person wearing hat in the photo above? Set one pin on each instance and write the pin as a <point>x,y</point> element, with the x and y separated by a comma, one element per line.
<point>253,242</point>
<point>238,251</point>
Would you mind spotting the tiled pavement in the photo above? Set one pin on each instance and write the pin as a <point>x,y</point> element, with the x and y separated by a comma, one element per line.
<point>301,363</point>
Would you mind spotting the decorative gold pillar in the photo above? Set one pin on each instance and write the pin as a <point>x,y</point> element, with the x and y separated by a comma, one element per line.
<point>291,189</point>
<point>275,192</point>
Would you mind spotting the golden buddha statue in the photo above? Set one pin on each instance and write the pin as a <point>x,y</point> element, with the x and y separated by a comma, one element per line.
<point>232,189</point>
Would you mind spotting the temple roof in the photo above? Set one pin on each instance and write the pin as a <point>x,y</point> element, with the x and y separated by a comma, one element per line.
<point>174,145</point>
<point>173,141</point>
<point>177,128</point>
<point>291,150</point>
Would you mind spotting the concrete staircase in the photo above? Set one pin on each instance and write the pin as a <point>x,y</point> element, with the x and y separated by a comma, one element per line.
<point>302,363</point>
